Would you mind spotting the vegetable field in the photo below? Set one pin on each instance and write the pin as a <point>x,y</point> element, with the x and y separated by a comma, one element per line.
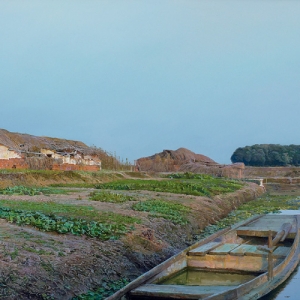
<point>84,241</point>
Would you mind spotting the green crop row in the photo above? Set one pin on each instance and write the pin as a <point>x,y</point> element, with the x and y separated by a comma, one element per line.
<point>60,224</point>
<point>174,212</point>
<point>31,191</point>
<point>104,196</point>
<point>189,175</point>
<point>205,187</point>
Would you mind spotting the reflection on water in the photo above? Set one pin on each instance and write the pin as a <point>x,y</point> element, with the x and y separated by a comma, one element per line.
<point>200,277</point>
<point>287,212</point>
<point>290,289</point>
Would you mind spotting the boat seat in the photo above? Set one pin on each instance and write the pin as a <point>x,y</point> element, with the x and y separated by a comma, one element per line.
<point>251,250</point>
<point>263,231</point>
<point>204,249</point>
<point>224,249</point>
<point>175,291</point>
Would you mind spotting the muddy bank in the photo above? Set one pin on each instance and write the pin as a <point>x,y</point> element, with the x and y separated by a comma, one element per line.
<point>43,265</point>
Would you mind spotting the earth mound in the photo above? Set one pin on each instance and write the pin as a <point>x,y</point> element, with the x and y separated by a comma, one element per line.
<point>184,160</point>
<point>171,160</point>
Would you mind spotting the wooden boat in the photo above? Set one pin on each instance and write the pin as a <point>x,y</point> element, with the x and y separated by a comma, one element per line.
<point>245,261</point>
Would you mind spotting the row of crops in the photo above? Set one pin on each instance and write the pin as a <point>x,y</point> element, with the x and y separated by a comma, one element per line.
<point>204,186</point>
<point>86,220</point>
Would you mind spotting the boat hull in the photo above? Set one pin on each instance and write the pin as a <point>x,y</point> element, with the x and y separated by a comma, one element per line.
<point>264,248</point>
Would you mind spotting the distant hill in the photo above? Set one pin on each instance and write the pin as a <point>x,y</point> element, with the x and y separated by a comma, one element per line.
<point>271,155</point>
<point>184,160</point>
<point>170,160</point>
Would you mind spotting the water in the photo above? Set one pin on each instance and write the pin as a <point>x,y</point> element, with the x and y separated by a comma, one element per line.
<point>290,289</point>
<point>200,277</point>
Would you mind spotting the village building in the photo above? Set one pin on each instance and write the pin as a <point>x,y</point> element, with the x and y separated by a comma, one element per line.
<point>23,151</point>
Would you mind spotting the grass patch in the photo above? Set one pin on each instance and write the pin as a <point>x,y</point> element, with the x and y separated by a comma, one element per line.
<point>104,196</point>
<point>169,210</point>
<point>207,186</point>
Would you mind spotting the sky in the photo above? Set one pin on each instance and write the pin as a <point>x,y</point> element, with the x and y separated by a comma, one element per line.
<point>138,77</point>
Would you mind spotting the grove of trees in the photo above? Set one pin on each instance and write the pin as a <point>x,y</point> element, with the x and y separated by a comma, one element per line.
<point>268,155</point>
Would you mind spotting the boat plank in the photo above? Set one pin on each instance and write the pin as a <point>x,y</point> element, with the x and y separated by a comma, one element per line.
<point>253,251</point>
<point>281,251</point>
<point>259,232</point>
<point>224,249</point>
<point>184,291</point>
<point>204,249</point>
<point>242,249</point>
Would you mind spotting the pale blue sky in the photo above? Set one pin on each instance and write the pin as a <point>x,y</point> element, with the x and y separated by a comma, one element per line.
<point>137,77</point>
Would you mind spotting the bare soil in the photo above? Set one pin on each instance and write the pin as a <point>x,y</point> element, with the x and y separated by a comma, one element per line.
<point>45,265</point>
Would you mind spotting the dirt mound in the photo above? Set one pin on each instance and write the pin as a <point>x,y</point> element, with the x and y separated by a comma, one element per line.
<point>184,160</point>
<point>171,160</point>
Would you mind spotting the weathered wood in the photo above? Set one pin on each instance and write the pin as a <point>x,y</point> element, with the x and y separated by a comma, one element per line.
<point>240,251</point>
<point>270,256</point>
<point>248,250</point>
<point>202,250</point>
<point>281,251</point>
<point>262,232</point>
<point>178,291</point>
<point>286,227</point>
<point>224,249</point>
<point>249,263</point>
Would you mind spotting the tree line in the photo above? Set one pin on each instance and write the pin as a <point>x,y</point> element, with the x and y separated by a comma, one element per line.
<point>267,155</point>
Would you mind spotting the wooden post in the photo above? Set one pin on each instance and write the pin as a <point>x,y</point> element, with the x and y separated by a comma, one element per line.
<point>270,256</point>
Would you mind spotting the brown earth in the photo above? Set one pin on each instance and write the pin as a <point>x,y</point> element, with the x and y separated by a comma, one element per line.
<point>43,265</point>
<point>184,160</point>
<point>170,160</point>
<point>45,178</point>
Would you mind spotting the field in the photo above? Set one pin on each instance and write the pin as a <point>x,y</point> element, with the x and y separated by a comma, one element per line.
<point>83,239</point>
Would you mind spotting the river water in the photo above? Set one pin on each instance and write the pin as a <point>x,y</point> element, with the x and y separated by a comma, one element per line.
<point>289,290</point>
